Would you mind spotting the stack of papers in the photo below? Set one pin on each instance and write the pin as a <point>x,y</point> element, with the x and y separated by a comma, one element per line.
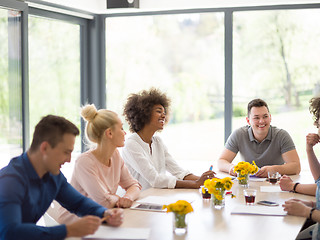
<point>115,233</point>
<point>275,188</point>
<point>259,210</point>
<point>253,178</point>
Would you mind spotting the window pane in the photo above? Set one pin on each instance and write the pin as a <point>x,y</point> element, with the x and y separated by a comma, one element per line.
<point>276,58</point>
<point>10,86</point>
<point>181,55</point>
<point>54,65</point>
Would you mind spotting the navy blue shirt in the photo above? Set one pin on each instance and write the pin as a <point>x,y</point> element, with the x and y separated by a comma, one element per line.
<point>25,197</point>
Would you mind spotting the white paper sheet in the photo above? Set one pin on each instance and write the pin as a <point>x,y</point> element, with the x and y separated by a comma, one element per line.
<point>106,232</point>
<point>259,210</point>
<point>275,188</point>
<point>160,200</point>
<point>256,179</point>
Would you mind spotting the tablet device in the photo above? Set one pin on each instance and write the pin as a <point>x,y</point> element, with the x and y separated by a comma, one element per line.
<point>148,207</point>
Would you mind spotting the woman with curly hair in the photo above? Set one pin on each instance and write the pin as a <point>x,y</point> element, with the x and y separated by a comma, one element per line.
<point>100,171</point>
<point>309,209</point>
<point>144,153</point>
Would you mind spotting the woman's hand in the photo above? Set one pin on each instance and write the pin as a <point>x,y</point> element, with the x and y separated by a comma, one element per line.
<point>206,175</point>
<point>296,207</point>
<point>286,183</point>
<point>124,202</point>
<point>312,139</point>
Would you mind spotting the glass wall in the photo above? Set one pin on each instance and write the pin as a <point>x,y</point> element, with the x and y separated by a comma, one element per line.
<point>276,58</point>
<point>10,86</point>
<point>54,71</point>
<point>182,55</point>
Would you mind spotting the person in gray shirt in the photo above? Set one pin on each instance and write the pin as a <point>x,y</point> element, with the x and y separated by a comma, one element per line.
<point>271,148</point>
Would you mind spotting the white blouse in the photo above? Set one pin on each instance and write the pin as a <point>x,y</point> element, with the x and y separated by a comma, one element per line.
<point>151,169</point>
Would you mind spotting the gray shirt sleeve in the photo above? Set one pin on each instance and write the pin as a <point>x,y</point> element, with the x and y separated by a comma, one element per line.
<point>285,141</point>
<point>232,141</point>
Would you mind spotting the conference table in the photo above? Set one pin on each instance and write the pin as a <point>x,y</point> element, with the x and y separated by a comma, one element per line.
<point>209,223</point>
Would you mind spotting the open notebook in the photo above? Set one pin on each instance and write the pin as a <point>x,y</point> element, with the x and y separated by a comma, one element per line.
<point>259,210</point>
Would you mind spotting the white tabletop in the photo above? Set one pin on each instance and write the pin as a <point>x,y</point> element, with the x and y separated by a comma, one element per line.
<point>206,222</point>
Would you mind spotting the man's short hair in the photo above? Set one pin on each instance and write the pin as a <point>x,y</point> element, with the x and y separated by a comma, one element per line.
<point>51,129</point>
<point>256,103</point>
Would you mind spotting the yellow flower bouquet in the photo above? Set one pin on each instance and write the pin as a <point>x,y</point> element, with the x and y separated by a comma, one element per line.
<point>244,169</point>
<point>180,209</point>
<point>217,188</point>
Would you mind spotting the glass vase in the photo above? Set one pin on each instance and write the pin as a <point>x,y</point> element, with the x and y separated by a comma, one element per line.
<point>218,199</point>
<point>180,225</point>
<point>243,180</point>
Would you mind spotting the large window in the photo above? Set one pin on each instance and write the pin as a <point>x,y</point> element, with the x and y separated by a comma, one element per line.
<point>182,55</point>
<point>54,71</point>
<point>276,58</point>
<point>10,86</point>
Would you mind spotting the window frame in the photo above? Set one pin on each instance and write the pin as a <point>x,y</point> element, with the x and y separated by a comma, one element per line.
<point>92,50</point>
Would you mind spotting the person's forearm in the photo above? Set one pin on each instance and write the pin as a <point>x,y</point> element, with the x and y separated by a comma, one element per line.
<point>313,163</point>
<point>133,192</point>
<point>187,184</point>
<point>224,165</point>
<point>315,215</point>
<point>288,168</point>
<point>191,177</point>
<point>308,189</point>
<point>111,200</point>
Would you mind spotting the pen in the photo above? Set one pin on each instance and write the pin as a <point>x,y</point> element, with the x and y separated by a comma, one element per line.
<point>211,168</point>
<point>106,217</point>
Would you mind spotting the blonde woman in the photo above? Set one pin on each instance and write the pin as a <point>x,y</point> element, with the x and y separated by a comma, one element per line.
<point>99,171</point>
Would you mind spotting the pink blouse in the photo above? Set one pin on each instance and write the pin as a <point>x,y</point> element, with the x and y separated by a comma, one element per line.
<point>98,181</point>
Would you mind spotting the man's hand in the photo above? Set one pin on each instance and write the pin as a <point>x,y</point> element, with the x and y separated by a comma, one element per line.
<point>263,172</point>
<point>114,216</point>
<point>286,183</point>
<point>231,171</point>
<point>84,226</point>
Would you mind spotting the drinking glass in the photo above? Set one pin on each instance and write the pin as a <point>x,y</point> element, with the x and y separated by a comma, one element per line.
<point>250,196</point>
<point>273,177</point>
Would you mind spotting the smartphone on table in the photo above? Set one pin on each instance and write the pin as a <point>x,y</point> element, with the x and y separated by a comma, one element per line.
<point>268,203</point>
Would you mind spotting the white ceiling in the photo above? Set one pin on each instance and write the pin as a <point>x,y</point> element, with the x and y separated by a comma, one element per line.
<point>99,6</point>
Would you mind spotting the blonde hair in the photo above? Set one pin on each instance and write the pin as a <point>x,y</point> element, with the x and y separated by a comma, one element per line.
<point>97,121</point>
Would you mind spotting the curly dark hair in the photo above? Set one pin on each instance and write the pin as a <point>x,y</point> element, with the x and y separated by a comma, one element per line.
<point>314,109</point>
<point>137,110</point>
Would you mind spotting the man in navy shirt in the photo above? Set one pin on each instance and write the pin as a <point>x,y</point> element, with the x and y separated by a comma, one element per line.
<point>33,180</point>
